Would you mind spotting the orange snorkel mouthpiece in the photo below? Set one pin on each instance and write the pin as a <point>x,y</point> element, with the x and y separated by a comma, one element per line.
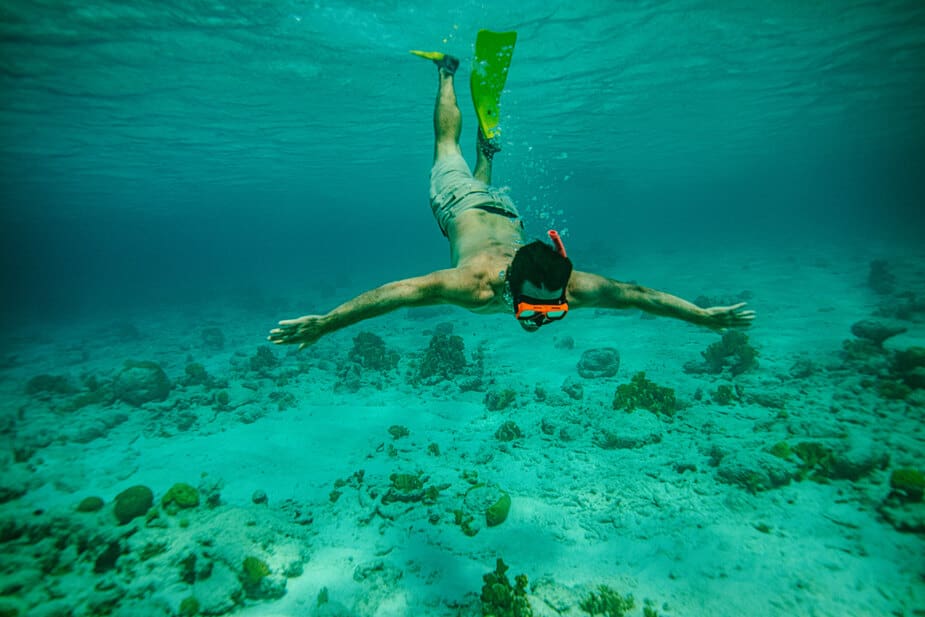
<point>557,241</point>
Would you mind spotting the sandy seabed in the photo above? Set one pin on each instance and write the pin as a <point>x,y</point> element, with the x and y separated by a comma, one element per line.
<point>326,487</point>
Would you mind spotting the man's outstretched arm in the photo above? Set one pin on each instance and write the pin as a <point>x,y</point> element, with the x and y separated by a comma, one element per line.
<point>586,289</point>
<point>434,288</point>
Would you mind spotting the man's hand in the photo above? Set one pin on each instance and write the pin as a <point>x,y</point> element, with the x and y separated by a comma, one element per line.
<point>722,317</point>
<point>304,331</point>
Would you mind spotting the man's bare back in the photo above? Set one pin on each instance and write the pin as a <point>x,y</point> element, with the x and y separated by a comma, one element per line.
<point>481,247</point>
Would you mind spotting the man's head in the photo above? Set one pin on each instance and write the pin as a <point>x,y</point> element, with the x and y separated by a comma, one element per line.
<point>538,277</point>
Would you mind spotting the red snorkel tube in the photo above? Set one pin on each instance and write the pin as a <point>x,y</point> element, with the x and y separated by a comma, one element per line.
<point>557,241</point>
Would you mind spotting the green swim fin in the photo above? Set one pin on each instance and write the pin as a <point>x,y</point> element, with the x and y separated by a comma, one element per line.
<point>493,51</point>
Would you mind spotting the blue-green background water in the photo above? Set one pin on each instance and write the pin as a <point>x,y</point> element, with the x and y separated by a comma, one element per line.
<point>176,177</point>
<point>163,151</point>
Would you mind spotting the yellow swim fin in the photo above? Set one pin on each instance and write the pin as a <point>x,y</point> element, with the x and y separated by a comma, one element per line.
<point>436,56</point>
<point>493,51</point>
<point>444,62</point>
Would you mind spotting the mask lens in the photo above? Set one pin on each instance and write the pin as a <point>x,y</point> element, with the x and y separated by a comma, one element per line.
<point>555,314</point>
<point>527,314</point>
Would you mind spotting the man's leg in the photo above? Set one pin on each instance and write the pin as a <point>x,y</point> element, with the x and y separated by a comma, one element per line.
<point>447,117</point>
<point>485,151</point>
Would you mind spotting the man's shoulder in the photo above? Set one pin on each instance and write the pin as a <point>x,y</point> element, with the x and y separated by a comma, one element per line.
<point>482,271</point>
<point>473,284</point>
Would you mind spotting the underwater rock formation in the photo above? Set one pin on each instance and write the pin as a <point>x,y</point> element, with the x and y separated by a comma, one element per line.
<point>629,432</point>
<point>90,504</point>
<point>573,388</point>
<point>264,361</point>
<point>875,331</point>
<point>509,431</point>
<point>49,384</point>
<point>909,366</point>
<point>141,382</point>
<point>496,400</point>
<point>196,375</point>
<point>369,351</point>
<point>444,359</point>
<point>753,471</point>
<point>131,503</point>
<point>599,362</point>
<point>213,338</point>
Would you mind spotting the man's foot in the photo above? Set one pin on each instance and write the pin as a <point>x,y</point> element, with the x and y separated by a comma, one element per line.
<point>445,62</point>
<point>487,147</point>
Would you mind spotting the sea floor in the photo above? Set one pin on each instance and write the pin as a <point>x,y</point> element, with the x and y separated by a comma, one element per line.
<point>351,478</point>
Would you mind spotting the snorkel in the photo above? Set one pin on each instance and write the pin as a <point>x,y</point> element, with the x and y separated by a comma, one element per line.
<point>557,242</point>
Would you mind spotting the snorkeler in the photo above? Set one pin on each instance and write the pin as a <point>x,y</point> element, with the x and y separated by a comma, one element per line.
<point>493,271</point>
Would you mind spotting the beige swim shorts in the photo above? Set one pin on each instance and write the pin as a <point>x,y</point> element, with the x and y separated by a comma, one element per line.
<point>453,189</point>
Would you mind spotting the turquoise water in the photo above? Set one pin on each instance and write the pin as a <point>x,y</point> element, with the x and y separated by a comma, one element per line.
<point>169,170</point>
<point>163,141</point>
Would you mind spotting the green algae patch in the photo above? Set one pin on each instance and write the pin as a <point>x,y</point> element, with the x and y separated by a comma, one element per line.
<point>816,461</point>
<point>484,505</point>
<point>645,394</point>
<point>254,570</point>
<point>189,607</point>
<point>782,450</point>
<point>908,484</point>
<point>724,395</point>
<point>498,511</point>
<point>406,482</point>
<point>500,599</point>
<point>180,496</point>
<point>607,602</point>
<point>404,487</point>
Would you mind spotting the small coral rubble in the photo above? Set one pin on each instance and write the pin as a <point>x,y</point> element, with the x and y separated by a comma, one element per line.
<point>215,559</point>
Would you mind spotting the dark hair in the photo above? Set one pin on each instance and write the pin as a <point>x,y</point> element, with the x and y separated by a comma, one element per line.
<point>540,264</point>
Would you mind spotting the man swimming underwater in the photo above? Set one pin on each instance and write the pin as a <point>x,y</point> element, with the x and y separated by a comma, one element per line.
<point>489,273</point>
